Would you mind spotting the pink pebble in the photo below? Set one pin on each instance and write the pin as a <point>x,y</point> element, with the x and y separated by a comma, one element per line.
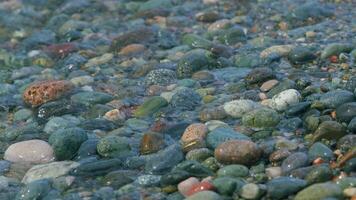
<point>186,185</point>
<point>207,179</point>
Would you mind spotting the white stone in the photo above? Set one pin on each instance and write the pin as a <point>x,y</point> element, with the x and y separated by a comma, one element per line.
<point>213,124</point>
<point>49,170</point>
<point>238,108</point>
<point>31,151</point>
<point>284,99</point>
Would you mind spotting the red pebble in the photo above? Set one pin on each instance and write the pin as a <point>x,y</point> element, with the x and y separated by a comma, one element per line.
<point>202,186</point>
<point>333,59</point>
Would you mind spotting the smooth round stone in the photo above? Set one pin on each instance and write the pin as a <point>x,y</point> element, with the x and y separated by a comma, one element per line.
<point>259,75</point>
<point>213,124</point>
<point>336,98</point>
<point>212,113</point>
<point>274,172</point>
<point>282,100</point>
<point>66,142</point>
<point>319,174</point>
<point>320,191</point>
<point>266,86</point>
<point>184,186</point>
<point>113,146</point>
<point>252,191</point>
<point>22,114</point>
<point>238,108</point>
<point>238,152</point>
<point>294,161</point>
<point>220,135</point>
<point>227,185</point>
<point>199,154</point>
<point>261,117</point>
<point>233,171</point>
<point>301,54</point>
<point>185,99</point>
<point>49,170</point>
<point>329,130</point>
<point>91,98</point>
<point>280,50</point>
<point>197,131</point>
<point>33,151</point>
<point>346,112</point>
<point>206,195</point>
<point>319,150</point>
<point>151,143</point>
<point>191,62</point>
<point>335,49</point>
<point>282,187</point>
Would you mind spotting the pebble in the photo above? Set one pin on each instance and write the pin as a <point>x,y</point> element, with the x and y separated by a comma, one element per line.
<point>49,170</point>
<point>238,152</point>
<point>32,151</point>
<point>238,108</point>
<point>186,185</point>
<point>66,142</point>
<point>259,75</point>
<point>261,117</point>
<point>268,85</point>
<point>150,106</point>
<point>207,195</point>
<point>329,130</point>
<point>227,186</point>
<point>320,191</point>
<point>282,187</point>
<point>252,191</point>
<point>193,132</point>
<point>274,172</point>
<point>233,171</point>
<point>221,134</point>
<point>151,143</point>
<point>42,92</point>
<point>294,161</point>
<point>282,100</point>
<point>346,112</point>
<point>113,146</point>
<point>199,187</point>
<point>280,50</point>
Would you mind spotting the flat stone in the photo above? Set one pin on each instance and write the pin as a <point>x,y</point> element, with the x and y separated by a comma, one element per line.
<point>32,151</point>
<point>50,170</point>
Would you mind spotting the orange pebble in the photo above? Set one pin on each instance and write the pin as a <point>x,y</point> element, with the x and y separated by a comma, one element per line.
<point>318,161</point>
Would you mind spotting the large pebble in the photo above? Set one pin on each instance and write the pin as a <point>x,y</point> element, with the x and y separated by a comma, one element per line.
<point>238,108</point>
<point>66,142</point>
<point>184,186</point>
<point>261,117</point>
<point>294,161</point>
<point>346,112</point>
<point>238,152</point>
<point>49,170</point>
<point>193,132</point>
<point>280,50</point>
<point>33,151</point>
<point>259,75</point>
<point>335,98</point>
<point>282,187</point>
<point>329,130</point>
<point>42,92</point>
<point>150,106</point>
<point>282,100</point>
<point>320,191</point>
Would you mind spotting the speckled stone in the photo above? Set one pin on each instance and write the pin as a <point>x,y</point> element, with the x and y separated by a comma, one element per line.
<point>197,131</point>
<point>42,92</point>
